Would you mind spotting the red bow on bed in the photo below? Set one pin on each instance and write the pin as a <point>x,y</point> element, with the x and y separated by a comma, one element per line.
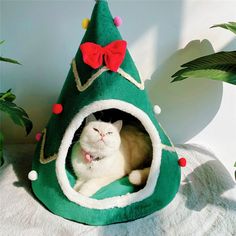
<point>113,54</point>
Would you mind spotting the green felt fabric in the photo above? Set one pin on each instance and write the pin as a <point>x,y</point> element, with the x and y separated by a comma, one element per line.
<point>109,85</point>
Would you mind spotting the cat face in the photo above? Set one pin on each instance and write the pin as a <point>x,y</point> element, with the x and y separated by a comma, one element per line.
<point>101,138</point>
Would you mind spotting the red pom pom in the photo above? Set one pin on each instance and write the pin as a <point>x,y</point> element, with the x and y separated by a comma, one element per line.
<point>38,137</point>
<point>182,162</point>
<point>57,109</point>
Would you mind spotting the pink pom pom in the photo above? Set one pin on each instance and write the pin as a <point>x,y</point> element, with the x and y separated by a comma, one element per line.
<point>117,21</point>
<point>88,158</point>
<point>38,137</point>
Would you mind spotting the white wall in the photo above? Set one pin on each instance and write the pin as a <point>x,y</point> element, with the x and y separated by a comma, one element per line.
<point>44,36</point>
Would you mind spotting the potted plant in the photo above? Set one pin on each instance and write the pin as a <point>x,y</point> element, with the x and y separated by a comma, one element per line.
<point>16,113</point>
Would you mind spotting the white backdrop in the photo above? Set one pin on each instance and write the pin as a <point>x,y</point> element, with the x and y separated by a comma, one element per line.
<point>162,35</point>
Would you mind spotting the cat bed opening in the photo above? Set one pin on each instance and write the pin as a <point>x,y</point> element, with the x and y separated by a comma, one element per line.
<point>118,201</point>
<point>121,185</point>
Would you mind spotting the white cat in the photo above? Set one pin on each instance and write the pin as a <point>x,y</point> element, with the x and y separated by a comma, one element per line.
<point>107,152</point>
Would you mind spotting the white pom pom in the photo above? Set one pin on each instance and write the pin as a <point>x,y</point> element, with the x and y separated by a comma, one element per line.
<point>157,110</point>
<point>33,175</point>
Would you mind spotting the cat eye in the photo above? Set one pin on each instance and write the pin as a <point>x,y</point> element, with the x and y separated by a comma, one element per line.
<point>109,133</point>
<point>96,130</point>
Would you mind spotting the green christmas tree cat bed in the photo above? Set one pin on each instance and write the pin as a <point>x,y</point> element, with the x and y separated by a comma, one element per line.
<point>103,81</point>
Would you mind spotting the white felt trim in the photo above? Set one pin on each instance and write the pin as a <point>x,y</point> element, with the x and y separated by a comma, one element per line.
<point>81,87</point>
<point>120,201</point>
<point>168,148</point>
<point>41,158</point>
<point>131,79</point>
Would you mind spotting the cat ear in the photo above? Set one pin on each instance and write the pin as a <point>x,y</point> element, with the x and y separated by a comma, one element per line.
<point>118,124</point>
<point>90,118</point>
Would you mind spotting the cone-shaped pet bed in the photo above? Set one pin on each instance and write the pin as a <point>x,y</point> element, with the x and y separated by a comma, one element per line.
<point>104,81</point>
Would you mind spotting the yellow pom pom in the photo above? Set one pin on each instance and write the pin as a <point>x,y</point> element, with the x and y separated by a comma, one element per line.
<point>85,23</point>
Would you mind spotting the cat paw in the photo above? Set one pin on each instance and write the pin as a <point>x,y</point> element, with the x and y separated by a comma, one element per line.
<point>135,177</point>
<point>78,185</point>
<point>86,190</point>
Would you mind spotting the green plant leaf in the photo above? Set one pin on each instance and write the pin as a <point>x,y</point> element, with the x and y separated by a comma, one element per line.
<point>229,26</point>
<point>17,114</point>
<point>218,66</point>
<point>9,60</point>
<point>7,96</point>
<point>1,149</point>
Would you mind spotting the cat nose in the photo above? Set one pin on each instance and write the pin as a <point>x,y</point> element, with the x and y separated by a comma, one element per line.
<point>102,135</point>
